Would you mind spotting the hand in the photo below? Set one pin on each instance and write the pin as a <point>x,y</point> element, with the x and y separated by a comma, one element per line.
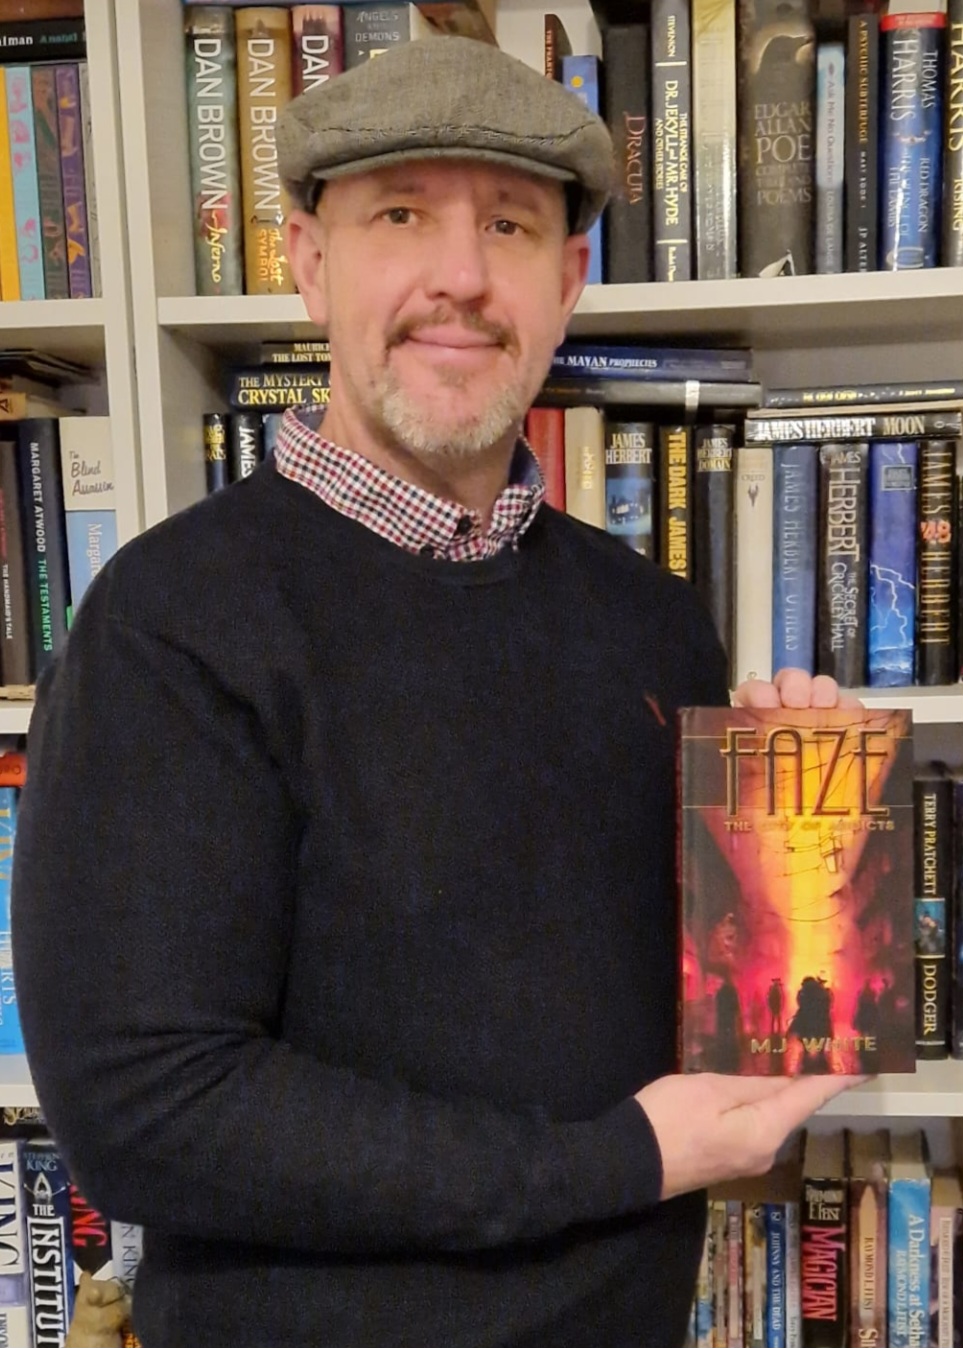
<point>793,688</point>
<point>712,1128</point>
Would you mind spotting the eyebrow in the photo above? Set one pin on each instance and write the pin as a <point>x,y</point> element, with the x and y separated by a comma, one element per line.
<point>521,199</point>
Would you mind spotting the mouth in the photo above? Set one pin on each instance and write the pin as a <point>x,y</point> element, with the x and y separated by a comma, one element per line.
<point>452,339</point>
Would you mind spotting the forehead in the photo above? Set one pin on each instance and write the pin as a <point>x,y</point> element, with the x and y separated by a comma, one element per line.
<point>448,178</point>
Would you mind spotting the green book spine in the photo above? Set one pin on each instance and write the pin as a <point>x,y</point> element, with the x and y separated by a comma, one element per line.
<point>52,227</point>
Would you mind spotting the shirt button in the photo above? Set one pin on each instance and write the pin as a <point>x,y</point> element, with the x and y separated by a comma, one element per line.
<point>464,526</point>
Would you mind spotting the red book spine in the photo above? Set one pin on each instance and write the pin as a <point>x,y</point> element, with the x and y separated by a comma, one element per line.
<point>318,45</point>
<point>545,432</point>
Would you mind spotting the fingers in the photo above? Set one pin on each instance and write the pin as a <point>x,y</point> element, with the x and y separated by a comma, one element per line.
<point>790,1108</point>
<point>793,688</point>
<point>755,693</point>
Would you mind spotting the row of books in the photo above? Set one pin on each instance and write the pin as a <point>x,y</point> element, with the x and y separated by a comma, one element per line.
<point>859,1242</point>
<point>243,65</point>
<point>763,139</point>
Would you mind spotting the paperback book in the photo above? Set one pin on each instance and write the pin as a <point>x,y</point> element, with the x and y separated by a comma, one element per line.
<point>796,877</point>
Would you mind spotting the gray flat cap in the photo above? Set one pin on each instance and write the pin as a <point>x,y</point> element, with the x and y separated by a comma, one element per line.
<point>445,97</point>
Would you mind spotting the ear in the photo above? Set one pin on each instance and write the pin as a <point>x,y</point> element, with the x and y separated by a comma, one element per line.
<point>305,239</point>
<point>575,262</point>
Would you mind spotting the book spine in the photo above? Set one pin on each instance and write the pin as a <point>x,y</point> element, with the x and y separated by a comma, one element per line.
<point>89,1238</point>
<point>629,448</point>
<point>11,1036</point>
<point>753,513</point>
<point>675,500</point>
<point>585,465</point>
<point>264,61</point>
<point>9,264</point>
<point>634,362</point>
<point>580,74</point>
<point>946,1235</point>
<point>245,444</point>
<point>215,450</point>
<point>793,1289</point>
<point>775,1220</point>
<point>712,562</point>
<point>15,1326</point>
<point>689,395</point>
<point>127,1245</point>
<point>860,395</point>
<point>628,216</point>
<point>210,52</point>
<point>794,533</point>
<point>555,46</point>
<point>867,1262</point>
<point>822,1256</point>
<point>911,140</point>
<point>714,137</point>
<point>908,1263</point>
<point>318,36</point>
<point>545,433</point>
<point>830,157</point>
<point>936,645</point>
<point>958,561</point>
<point>90,186</point>
<point>271,424</point>
<point>955,936</point>
<point>754,1275</point>
<point>777,88</point>
<point>859,426</point>
<point>73,181</point>
<point>368,32</point>
<point>862,142</point>
<point>16,646</point>
<point>52,227</point>
<point>269,389</point>
<point>36,40</point>
<point>89,499</point>
<point>951,251</point>
<point>933,865</point>
<point>720,1271</point>
<point>26,191</point>
<point>735,1287</point>
<point>47,1207</point>
<point>672,138</point>
<point>843,574</point>
<point>703,1333</point>
<point>892,562</point>
<point>42,517</point>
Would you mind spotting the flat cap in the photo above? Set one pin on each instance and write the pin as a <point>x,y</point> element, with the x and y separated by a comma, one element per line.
<point>450,97</point>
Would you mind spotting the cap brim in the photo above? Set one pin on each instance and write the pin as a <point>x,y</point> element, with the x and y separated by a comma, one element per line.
<point>521,163</point>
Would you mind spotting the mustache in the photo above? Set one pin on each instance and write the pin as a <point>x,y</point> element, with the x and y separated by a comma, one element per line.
<point>470,319</point>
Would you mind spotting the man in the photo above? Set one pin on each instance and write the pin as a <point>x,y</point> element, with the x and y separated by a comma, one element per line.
<point>362,772</point>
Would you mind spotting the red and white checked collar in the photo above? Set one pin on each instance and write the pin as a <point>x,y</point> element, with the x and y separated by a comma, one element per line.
<point>404,514</point>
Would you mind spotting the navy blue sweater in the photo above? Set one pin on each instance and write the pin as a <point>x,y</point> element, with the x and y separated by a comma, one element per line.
<point>344,929</point>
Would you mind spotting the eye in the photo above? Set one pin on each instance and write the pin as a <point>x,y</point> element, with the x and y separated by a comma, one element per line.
<point>507,227</point>
<point>398,215</point>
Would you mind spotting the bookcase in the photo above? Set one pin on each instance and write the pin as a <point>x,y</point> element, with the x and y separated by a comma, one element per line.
<point>802,330</point>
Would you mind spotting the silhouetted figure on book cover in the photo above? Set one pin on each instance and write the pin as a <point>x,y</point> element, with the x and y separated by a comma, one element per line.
<point>867,1024</point>
<point>728,1028</point>
<point>813,1023</point>
<point>776,1001</point>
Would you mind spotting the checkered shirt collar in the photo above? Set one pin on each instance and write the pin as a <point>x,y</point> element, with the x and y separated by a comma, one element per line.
<point>406,515</point>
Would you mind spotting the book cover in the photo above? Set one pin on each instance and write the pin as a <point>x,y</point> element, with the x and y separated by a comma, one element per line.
<point>775,1219</point>
<point>26,192</point>
<point>257,386</point>
<point>15,1319</point>
<point>73,181</point>
<point>215,450</point>
<point>824,1280</point>
<point>545,433</point>
<point>44,534</point>
<point>794,536</point>
<point>16,642</point>
<point>52,227</point>
<point>714,137</point>
<point>933,890</point>
<point>936,661</point>
<point>210,63</point>
<point>580,74</point>
<point>793,1290</point>
<point>34,40</point>
<point>946,1255</point>
<point>11,1038</point>
<point>868,1193</point>
<point>796,871</point>
<point>712,534</point>
<point>90,186</point>
<point>755,1268</point>
<point>585,465</point>
<point>556,45</point>
<point>777,94</point>
<point>675,499</point>
<point>628,215</point>
<point>603,361</point>
<point>46,1192</point>
<point>629,501</point>
<point>318,33</point>
<point>911,140</point>
<point>908,1255</point>
<point>90,508</point>
<point>892,563</point>
<point>672,137</point>
<point>861,137</point>
<point>753,516</point>
<point>368,32</point>
<point>264,60</point>
<point>842,585</point>
<point>951,250</point>
<point>882,423</point>
<point>245,444</point>
<point>857,396</point>
<point>830,156</point>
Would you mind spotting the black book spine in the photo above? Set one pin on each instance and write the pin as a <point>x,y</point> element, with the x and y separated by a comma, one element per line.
<point>823,1274</point>
<point>933,870</point>
<point>712,508</point>
<point>936,627</point>
<point>16,648</point>
<point>215,451</point>
<point>952,240</point>
<point>862,141</point>
<point>628,227</point>
<point>843,569</point>
<point>672,140</point>
<point>629,502</point>
<point>245,444</point>
<point>675,500</point>
<point>26,40</point>
<point>45,536</point>
<point>958,578</point>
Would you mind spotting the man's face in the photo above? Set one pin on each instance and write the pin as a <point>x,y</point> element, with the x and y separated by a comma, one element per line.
<point>445,287</point>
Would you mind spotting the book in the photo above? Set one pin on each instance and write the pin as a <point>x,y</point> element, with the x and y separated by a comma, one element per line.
<point>585,465</point>
<point>775,1306</point>
<point>955,930</point>
<point>628,215</point>
<point>777,96</point>
<point>752,548</point>
<point>264,61</point>
<point>9,264</point>
<point>52,224</point>
<point>675,499</point>
<point>946,1259</point>
<point>61,39</point>
<point>13,768</point>
<point>796,859</point>
<point>795,531</point>
<point>714,137</point>
<point>908,1254</point>
<point>556,45</point>
<point>712,533</point>
<point>210,64</point>
<point>15,1317</point>
<point>13,10</point>
<point>90,1238</point>
<point>296,353</point>
<point>245,444</point>
<point>90,186</point>
<point>688,395</point>
<point>754,1274</point>
<point>545,433</point>
<point>46,1187</point>
<point>253,387</point>
<point>215,450</point>
<point>580,74</point>
<point>73,181</point>
<point>936,628</point>
<point>933,890</point>
<point>892,563</point>
<point>367,32</point>
<point>824,1274</point>
<point>26,192</point>
<point>951,245</point>
<point>89,499</point>
<point>830,156</point>
<point>911,139</point>
<point>672,140</point>
<point>629,484</point>
<point>604,361</point>
<point>842,572</point>
<point>11,1036</point>
<point>886,422</point>
<point>318,33</point>
<point>861,395</point>
<point>861,137</point>
<point>867,1200</point>
<point>16,640</point>
<point>44,534</point>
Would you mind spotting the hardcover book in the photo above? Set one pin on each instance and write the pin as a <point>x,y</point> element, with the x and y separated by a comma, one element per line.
<point>830,157</point>
<point>796,878</point>
<point>264,79</point>
<point>672,135</point>
<point>795,533</point>
<point>628,216</point>
<point>951,254</point>
<point>713,539</point>
<point>936,636</point>
<point>629,512</point>
<point>860,177</point>
<point>318,34</point>
<point>892,562</point>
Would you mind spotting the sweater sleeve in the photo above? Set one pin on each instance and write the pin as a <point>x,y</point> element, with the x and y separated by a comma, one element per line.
<point>153,909</point>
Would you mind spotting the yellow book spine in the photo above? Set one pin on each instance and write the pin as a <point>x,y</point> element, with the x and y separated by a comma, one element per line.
<point>9,266</point>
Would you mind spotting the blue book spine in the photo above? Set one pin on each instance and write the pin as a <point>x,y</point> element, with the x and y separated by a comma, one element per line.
<point>794,538</point>
<point>581,75</point>
<point>892,562</point>
<point>26,185</point>
<point>911,144</point>
<point>652,362</point>
<point>830,156</point>
<point>775,1217</point>
<point>908,1277</point>
<point>11,1039</point>
<point>46,1187</point>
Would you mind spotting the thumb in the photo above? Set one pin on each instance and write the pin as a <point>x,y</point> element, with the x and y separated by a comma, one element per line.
<point>804,1095</point>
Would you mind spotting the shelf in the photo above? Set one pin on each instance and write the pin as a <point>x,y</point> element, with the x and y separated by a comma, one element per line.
<point>15,717</point>
<point>16,1087</point>
<point>73,328</point>
<point>232,322</point>
<point>935,1090</point>
<point>928,705</point>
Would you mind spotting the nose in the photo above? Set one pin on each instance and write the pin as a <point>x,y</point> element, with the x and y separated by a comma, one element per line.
<point>457,265</point>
